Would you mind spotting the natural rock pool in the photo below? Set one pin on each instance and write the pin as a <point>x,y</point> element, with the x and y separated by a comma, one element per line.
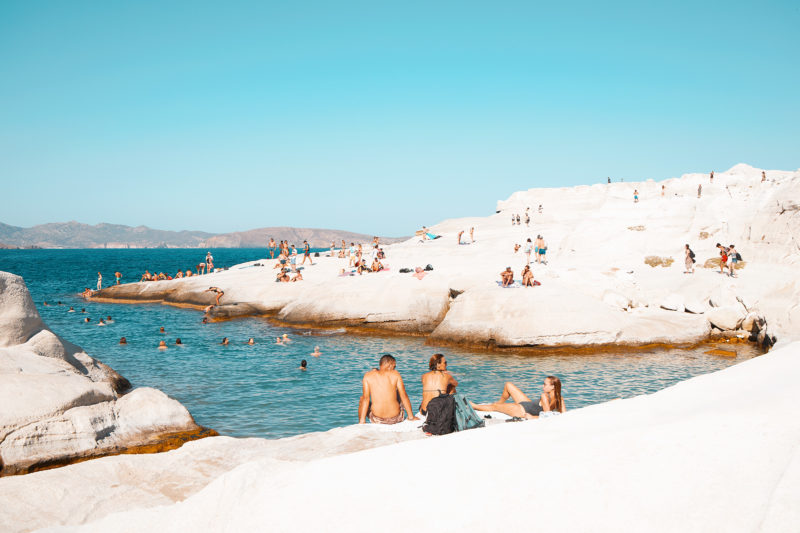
<point>258,390</point>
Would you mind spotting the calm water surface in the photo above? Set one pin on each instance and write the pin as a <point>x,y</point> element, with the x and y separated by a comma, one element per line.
<point>258,390</point>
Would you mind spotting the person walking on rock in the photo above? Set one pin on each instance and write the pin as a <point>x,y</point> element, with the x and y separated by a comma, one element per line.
<point>690,260</point>
<point>699,190</point>
<point>306,253</point>
<point>528,249</point>
<point>99,281</point>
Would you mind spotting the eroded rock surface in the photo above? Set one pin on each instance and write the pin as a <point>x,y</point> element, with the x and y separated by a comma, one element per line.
<point>58,404</point>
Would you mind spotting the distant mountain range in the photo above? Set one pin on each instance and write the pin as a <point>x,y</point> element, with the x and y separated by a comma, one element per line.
<point>76,235</point>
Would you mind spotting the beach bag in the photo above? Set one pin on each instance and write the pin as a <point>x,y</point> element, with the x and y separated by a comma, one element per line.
<point>405,270</point>
<point>691,254</point>
<point>440,419</point>
<point>466,417</point>
<point>429,267</point>
<point>738,256</point>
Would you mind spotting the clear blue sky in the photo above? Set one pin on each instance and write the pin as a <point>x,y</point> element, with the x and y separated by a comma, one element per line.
<point>376,116</point>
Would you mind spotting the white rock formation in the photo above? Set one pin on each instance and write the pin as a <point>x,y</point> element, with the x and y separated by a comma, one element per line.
<point>57,403</point>
<point>596,274</point>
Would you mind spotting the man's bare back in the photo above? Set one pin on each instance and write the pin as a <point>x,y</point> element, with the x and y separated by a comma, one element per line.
<point>383,393</point>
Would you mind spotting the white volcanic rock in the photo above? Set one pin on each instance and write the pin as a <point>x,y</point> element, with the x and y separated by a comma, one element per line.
<point>57,403</point>
<point>726,318</point>
<point>19,319</point>
<point>622,462</point>
<point>597,242</point>
<point>673,302</point>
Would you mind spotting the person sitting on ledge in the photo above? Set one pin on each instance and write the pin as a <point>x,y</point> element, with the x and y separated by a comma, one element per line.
<point>436,382</point>
<point>507,276</point>
<point>179,275</point>
<point>298,276</point>
<point>550,401</point>
<point>381,388</point>
<point>376,265</point>
<point>527,276</point>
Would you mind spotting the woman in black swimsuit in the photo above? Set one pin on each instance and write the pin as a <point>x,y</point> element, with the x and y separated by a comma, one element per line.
<point>437,381</point>
<point>524,407</point>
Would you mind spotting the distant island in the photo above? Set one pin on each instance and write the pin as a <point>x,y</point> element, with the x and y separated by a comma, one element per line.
<point>76,235</point>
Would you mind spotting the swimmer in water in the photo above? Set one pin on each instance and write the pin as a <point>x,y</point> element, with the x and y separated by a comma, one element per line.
<point>316,352</point>
<point>108,320</point>
<point>71,309</point>
<point>278,340</point>
<point>101,323</point>
<point>250,341</point>
<point>286,338</point>
<point>205,320</point>
<point>161,330</point>
<point>86,320</point>
<point>303,365</point>
<point>224,341</point>
<point>46,304</point>
<point>162,345</point>
<point>123,340</point>
<point>83,309</point>
<point>59,303</point>
<point>178,342</point>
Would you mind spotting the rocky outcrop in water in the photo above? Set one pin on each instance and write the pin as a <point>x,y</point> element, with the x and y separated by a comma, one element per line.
<point>58,404</point>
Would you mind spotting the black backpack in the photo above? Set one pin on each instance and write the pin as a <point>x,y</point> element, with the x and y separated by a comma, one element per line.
<point>691,253</point>
<point>441,417</point>
<point>738,256</point>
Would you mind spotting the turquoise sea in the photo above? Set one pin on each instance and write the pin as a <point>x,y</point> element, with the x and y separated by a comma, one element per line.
<point>244,390</point>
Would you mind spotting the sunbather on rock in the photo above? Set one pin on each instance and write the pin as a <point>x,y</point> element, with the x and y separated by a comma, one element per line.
<point>523,407</point>
<point>507,276</point>
<point>379,398</point>
<point>437,381</point>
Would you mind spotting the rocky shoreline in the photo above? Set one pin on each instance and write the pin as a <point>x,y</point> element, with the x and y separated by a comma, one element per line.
<point>62,406</point>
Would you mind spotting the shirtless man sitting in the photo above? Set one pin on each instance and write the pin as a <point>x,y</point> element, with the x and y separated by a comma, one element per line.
<point>436,382</point>
<point>383,392</point>
<point>507,276</point>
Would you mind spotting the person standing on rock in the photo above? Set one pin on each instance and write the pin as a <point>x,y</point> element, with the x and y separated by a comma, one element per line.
<point>513,219</point>
<point>382,387</point>
<point>528,216</point>
<point>723,257</point>
<point>518,221</point>
<point>99,281</point>
<point>699,190</point>
<point>733,258</point>
<point>271,248</point>
<point>541,249</point>
<point>209,263</point>
<point>293,259</point>
<point>711,177</point>
<point>635,196</point>
<point>689,260</point>
<point>118,275</point>
<point>460,233</point>
<point>472,234</point>
<point>528,249</point>
<point>763,176</point>
<point>306,253</point>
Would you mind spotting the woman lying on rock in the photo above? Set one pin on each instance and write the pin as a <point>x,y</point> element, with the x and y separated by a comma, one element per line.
<point>550,401</point>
